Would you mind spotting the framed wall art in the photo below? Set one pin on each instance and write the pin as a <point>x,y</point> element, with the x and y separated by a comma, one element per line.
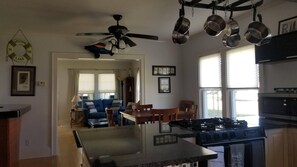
<point>164,85</point>
<point>164,70</point>
<point>23,80</point>
<point>287,25</point>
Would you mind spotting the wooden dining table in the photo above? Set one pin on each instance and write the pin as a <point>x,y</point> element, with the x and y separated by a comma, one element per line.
<point>146,116</point>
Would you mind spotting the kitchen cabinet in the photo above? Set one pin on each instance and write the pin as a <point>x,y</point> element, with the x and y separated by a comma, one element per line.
<point>276,148</point>
<point>292,147</point>
<point>281,47</point>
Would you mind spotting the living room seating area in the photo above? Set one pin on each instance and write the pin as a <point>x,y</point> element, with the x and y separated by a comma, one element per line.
<point>95,109</point>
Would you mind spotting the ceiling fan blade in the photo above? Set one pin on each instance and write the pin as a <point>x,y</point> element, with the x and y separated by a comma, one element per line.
<point>128,41</point>
<point>152,37</point>
<point>92,33</point>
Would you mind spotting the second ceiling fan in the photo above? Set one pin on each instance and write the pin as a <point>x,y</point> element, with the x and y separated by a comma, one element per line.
<point>117,34</point>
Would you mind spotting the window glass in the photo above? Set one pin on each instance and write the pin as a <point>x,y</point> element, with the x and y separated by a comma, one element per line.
<point>245,103</point>
<point>212,103</point>
<point>138,86</point>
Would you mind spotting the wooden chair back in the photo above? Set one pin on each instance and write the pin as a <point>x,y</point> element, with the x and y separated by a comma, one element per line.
<point>164,115</point>
<point>192,112</point>
<point>185,104</point>
<point>143,107</point>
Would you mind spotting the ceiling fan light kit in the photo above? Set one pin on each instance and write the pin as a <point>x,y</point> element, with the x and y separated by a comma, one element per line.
<point>118,37</point>
<point>257,33</point>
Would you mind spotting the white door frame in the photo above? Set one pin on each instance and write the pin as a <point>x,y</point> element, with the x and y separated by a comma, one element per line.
<point>69,55</point>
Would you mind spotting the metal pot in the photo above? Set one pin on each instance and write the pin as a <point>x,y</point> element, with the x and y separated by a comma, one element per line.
<point>266,40</point>
<point>231,41</point>
<point>182,25</point>
<point>232,27</point>
<point>256,31</point>
<point>214,25</point>
<point>179,38</point>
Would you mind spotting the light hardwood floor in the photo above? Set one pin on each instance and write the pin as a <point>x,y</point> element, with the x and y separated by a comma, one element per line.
<point>68,154</point>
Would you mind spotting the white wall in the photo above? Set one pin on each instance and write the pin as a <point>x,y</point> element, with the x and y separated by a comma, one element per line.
<point>36,125</point>
<point>202,44</point>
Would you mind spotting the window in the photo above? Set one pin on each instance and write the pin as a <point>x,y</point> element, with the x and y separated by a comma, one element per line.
<point>106,85</point>
<point>242,83</point>
<point>210,85</point>
<point>86,86</point>
<point>138,86</point>
<point>94,85</point>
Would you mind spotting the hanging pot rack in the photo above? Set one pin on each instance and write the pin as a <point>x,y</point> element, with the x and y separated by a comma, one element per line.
<point>237,5</point>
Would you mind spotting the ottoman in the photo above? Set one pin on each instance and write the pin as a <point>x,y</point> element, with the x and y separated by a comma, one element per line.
<point>97,123</point>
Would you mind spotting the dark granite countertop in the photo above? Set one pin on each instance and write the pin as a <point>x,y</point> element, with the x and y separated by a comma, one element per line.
<point>140,145</point>
<point>13,110</point>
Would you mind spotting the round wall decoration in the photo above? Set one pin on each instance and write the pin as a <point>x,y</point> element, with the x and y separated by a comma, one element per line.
<point>19,50</point>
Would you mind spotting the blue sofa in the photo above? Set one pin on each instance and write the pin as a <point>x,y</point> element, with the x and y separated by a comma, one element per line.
<point>95,109</point>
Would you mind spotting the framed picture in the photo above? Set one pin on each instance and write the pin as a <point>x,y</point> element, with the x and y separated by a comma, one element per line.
<point>287,25</point>
<point>164,70</point>
<point>164,127</point>
<point>164,85</point>
<point>23,80</point>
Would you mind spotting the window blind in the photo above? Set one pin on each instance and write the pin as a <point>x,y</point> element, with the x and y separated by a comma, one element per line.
<point>106,83</point>
<point>86,83</point>
<point>210,71</point>
<point>242,71</point>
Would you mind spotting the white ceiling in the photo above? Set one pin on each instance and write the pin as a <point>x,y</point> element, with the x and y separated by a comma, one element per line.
<point>153,17</point>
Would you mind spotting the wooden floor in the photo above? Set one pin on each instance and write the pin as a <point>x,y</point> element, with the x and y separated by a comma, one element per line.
<point>68,154</point>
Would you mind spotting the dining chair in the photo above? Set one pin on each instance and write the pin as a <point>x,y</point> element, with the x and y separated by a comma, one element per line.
<point>192,112</point>
<point>144,107</point>
<point>164,115</point>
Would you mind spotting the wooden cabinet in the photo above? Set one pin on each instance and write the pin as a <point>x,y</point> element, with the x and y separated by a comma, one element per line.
<point>276,148</point>
<point>292,147</point>
<point>129,90</point>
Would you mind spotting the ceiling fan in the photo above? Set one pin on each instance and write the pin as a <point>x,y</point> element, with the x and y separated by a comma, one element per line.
<point>118,35</point>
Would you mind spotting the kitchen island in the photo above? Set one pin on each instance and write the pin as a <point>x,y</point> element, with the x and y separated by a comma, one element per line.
<point>10,121</point>
<point>139,145</point>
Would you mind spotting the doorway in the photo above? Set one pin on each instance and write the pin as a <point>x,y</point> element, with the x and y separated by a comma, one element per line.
<point>58,97</point>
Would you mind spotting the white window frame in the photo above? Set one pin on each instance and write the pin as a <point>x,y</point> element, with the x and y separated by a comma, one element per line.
<point>96,94</point>
<point>228,105</point>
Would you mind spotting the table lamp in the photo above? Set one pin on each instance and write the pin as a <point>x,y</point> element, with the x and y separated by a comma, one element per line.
<point>75,101</point>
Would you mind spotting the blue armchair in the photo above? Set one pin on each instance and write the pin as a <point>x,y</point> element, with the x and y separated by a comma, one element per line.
<point>95,109</point>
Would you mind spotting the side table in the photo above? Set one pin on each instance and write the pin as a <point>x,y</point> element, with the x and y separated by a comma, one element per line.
<point>76,116</point>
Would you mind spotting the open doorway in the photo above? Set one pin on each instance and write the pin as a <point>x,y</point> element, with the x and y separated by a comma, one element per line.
<point>132,65</point>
